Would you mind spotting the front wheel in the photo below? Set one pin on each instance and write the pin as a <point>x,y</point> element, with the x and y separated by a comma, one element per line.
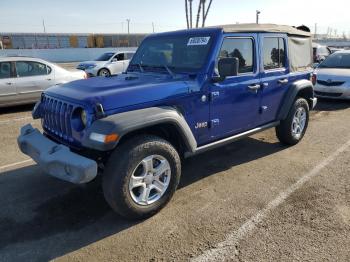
<point>141,176</point>
<point>293,128</point>
<point>104,72</point>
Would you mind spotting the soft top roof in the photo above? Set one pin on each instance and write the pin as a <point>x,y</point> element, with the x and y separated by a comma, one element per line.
<point>264,28</point>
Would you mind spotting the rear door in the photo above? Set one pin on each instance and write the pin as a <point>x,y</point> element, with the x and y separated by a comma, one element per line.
<point>7,84</point>
<point>274,74</point>
<point>234,106</point>
<point>32,78</point>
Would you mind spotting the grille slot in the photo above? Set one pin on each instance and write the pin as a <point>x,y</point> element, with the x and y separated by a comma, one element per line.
<point>328,94</point>
<point>330,83</point>
<point>57,117</point>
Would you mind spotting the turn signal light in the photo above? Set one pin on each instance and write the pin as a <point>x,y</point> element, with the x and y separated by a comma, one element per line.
<point>111,138</point>
<point>106,139</point>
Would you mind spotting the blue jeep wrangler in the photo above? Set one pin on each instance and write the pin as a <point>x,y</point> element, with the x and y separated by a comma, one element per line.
<point>183,93</point>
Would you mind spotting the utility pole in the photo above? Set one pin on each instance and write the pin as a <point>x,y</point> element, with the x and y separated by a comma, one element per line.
<point>128,20</point>
<point>316,30</point>
<point>153,26</point>
<point>191,25</point>
<point>257,16</point>
<point>44,26</point>
<point>186,10</point>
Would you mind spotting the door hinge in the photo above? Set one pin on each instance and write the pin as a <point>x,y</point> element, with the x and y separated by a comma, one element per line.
<point>214,95</point>
<point>214,122</point>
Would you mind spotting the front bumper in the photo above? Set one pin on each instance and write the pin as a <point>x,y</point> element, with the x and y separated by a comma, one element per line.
<point>334,92</point>
<point>56,159</point>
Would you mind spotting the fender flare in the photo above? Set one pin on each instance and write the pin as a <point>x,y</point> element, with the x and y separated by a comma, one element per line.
<point>292,93</point>
<point>126,122</point>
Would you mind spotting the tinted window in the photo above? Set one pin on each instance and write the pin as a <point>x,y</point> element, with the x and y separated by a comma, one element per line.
<point>241,48</point>
<point>105,57</point>
<point>5,70</point>
<point>29,68</point>
<point>274,53</point>
<point>336,60</point>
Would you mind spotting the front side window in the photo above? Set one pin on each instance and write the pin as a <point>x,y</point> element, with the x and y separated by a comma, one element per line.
<point>5,70</point>
<point>120,57</point>
<point>274,53</point>
<point>29,68</point>
<point>241,48</point>
<point>178,53</point>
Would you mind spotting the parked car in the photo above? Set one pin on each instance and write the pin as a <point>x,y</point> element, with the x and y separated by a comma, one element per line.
<point>23,79</point>
<point>184,93</point>
<point>107,64</point>
<point>320,52</point>
<point>332,76</point>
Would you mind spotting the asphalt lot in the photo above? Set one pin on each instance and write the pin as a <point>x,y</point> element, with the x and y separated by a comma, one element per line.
<point>253,200</point>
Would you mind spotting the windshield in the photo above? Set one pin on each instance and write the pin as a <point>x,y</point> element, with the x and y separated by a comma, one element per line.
<point>337,60</point>
<point>178,53</point>
<point>105,57</point>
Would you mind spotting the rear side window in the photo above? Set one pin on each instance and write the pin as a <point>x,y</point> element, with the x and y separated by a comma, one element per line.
<point>274,53</point>
<point>5,70</point>
<point>241,48</point>
<point>29,68</point>
<point>129,55</point>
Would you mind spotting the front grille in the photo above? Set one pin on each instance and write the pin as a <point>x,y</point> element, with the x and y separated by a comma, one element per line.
<point>330,83</point>
<point>57,117</point>
<point>328,94</point>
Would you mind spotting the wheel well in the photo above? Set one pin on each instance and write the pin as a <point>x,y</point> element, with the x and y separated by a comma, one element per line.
<point>307,93</point>
<point>167,131</point>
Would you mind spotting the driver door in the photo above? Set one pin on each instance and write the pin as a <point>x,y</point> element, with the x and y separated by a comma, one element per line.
<point>117,64</point>
<point>235,101</point>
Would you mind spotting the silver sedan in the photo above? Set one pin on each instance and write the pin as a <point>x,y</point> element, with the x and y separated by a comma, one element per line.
<point>332,76</point>
<point>23,79</point>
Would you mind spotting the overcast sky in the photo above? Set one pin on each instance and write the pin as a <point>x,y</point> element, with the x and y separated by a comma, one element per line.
<point>109,16</point>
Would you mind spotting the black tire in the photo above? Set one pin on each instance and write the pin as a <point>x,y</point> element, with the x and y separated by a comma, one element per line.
<point>104,72</point>
<point>284,131</point>
<point>123,163</point>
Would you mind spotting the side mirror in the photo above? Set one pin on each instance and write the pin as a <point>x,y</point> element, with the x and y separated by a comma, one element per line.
<point>114,60</point>
<point>227,67</point>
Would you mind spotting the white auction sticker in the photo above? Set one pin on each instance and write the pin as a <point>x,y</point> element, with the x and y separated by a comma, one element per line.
<point>198,40</point>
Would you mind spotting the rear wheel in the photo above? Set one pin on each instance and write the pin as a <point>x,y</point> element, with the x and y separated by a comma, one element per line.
<point>104,72</point>
<point>141,176</point>
<point>293,128</point>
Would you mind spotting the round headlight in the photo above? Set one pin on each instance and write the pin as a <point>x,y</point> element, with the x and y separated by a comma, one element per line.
<point>83,117</point>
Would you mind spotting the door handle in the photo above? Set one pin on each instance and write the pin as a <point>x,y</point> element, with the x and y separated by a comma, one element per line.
<point>49,79</point>
<point>8,83</point>
<point>283,81</point>
<point>254,87</point>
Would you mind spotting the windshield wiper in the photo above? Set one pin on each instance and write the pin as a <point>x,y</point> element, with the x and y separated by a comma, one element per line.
<point>169,71</point>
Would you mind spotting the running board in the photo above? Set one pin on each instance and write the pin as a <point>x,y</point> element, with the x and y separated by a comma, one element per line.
<point>230,139</point>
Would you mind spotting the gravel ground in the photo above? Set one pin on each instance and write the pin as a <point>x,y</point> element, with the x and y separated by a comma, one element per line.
<point>42,218</point>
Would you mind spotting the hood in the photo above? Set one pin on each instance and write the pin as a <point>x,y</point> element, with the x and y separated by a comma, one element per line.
<point>333,73</point>
<point>120,91</point>
<point>88,63</point>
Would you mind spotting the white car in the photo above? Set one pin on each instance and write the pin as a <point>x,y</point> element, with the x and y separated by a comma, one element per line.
<point>23,79</point>
<point>332,76</point>
<point>110,63</point>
